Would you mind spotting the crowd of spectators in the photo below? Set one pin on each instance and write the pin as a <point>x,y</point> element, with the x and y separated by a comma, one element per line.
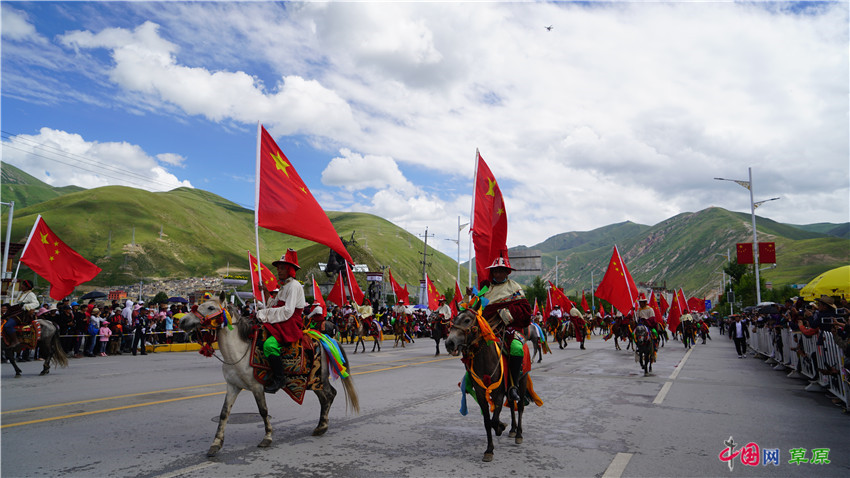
<point>100,329</point>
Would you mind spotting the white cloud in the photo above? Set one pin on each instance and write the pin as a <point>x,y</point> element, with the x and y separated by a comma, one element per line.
<point>17,27</point>
<point>146,63</point>
<point>353,171</point>
<point>60,158</point>
<point>171,159</point>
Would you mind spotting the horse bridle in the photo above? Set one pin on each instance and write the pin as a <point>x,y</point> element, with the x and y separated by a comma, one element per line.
<point>210,328</point>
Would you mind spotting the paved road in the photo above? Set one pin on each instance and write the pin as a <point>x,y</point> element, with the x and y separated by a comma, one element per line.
<point>155,416</point>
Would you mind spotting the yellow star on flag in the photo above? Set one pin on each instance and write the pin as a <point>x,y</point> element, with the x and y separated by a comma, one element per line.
<point>491,187</point>
<point>44,239</point>
<point>280,163</point>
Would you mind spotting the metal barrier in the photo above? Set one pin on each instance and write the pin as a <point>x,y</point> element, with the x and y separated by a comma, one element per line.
<point>822,361</point>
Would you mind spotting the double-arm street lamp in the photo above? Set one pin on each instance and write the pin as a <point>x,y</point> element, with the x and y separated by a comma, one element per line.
<point>753,206</point>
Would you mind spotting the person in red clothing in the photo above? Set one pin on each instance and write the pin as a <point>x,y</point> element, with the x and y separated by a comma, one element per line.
<point>509,309</point>
<point>283,317</point>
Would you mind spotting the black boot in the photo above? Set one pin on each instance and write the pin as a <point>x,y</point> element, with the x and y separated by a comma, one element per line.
<point>276,381</point>
<point>515,366</point>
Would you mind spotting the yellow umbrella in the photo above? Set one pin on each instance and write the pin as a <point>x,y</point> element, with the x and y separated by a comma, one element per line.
<point>835,282</point>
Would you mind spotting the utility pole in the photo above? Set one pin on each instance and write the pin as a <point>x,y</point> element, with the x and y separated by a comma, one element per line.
<point>422,295</point>
<point>556,271</point>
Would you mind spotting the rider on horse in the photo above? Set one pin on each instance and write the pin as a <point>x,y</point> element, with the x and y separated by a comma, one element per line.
<point>507,305</point>
<point>282,317</point>
<point>29,302</point>
<point>578,325</point>
<point>442,318</point>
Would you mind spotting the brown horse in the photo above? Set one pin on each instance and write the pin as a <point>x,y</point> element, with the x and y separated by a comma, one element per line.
<point>483,358</point>
<point>360,331</point>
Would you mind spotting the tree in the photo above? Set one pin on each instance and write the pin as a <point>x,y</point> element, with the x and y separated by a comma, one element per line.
<point>735,271</point>
<point>537,290</point>
<point>159,298</point>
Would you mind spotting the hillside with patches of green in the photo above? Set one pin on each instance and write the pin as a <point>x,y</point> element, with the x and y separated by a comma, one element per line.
<point>25,190</point>
<point>118,228</point>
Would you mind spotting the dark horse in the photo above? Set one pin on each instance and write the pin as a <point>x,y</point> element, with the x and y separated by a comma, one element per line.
<point>560,329</point>
<point>49,345</point>
<point>438,330</point>
<point>482,357</point>
<point>644,348</point>
<point>688,330</point>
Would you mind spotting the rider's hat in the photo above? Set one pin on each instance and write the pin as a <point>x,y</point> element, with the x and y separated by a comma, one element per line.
<point>291,258</point>
<point>441,298</point>
<point>557,306</point>
<point>26,284</point>
<point>501,261</point>
<point>575,312</point>
<point>642,297</point>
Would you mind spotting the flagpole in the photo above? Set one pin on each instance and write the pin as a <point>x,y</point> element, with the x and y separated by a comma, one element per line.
<point>23,251</point>
<point>472,215</point>
<point>257,212</point>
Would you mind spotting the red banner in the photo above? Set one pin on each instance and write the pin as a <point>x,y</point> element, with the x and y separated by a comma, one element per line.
<point>745,252</point>
<point>767,252</point>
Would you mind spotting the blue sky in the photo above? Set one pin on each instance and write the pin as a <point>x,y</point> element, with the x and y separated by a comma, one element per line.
<point>623,111</point>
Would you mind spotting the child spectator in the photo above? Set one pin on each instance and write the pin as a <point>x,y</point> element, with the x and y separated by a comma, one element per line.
<point>103,335</point>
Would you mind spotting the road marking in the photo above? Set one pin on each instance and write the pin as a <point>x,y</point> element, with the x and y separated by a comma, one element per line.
<point>681,365</point>
<point>94,412</point>
<point>112,398</point>
<point>188,469</point>
<point>617,466</point>
<point>402,366</point>
<point>662,393</point>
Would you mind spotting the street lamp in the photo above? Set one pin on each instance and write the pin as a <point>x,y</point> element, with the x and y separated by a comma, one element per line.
<point>753,206</point>
<point>460,227</point>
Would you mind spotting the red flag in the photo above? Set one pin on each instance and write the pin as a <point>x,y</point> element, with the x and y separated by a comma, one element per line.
<point>337,295</point>
<point>266,277</point>
<point>406,296</point>
<point>458,297</point>
<point>664,306</point>
<point>317,297</point>
<point>489,222</point>
<point>401,294</point>
<point>55,261</point>
<point>560,298</point>
<point>617,287</point>
<point>356,294</point>
<point>283,202</point>
<point>433,295</point>
<point>536,309</point>
<point>654,304</point>
<point>584,302</point>
<point>745,252</point>
<point>696,304</point>
<point>683,303</point>
<point>767,253</point>
<point>674,315</point>
<point>602,310</point>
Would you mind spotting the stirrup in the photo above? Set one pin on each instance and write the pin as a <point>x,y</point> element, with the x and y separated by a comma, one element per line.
<point>273,386</point>
<point>513,394</point>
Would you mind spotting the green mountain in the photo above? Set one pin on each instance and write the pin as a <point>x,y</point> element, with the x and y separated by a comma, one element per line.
<point>25,190</point>
<point>828,228</point>
<point>136,235</point>
<point>688,251</point>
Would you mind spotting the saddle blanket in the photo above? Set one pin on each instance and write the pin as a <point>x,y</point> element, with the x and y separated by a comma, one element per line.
<point>302,367</point>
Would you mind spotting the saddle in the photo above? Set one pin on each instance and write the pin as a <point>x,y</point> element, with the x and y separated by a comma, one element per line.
<point>28,335</point>
<point>302,365</point>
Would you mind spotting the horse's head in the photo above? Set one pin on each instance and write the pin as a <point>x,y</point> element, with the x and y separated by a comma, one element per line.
<point>193,320</point>
<point>463,331</point>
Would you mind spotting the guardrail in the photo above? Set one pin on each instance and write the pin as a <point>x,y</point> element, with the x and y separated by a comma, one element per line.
<point>816,358</point>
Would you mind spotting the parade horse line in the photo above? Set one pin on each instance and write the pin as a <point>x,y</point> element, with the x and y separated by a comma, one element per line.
<point>40,333</point>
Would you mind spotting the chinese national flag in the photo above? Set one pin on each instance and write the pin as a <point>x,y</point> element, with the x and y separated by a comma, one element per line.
<point>696,304</point>
<point>433,295</point>
<point>317,297</point>
<point>284,203</point>
<point>584,303</point>
<point>400,293</point>
<point>406,296</point>
<point>337,295</point>
<point>745,252</point>
<point>664,306</point>
<point>55,261</point>
<point>617,287</point>
<point>602,310</point>
<point>266,277</point>
<point>356,294</point>
<point>458,297</point>
<point>653,303</point>
<point>767,253</point>
<point>683,303</point>
<point>674,315</point>
<point>560,298</point>
<point>489,220</point>
<point>536,309</point>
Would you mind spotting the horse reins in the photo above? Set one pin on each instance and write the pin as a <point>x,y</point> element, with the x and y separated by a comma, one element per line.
<point>208,329</point>
<point>469,352</point>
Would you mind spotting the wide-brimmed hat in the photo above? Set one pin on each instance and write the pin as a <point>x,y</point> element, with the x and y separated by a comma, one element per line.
<point>642,297</point>
<point>825,299</point>
<point>290,257</point>
<point>26,284</point>
<point>575,312</point>
<point>501,261</point>
<point>441,299</point>
<point>41,312</point>
<point>95,311</point>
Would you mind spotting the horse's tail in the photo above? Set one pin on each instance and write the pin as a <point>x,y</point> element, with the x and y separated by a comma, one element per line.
<point>351,399</point>
<point>58,357</point>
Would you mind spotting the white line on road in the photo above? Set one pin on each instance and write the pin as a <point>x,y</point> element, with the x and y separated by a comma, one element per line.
<point>681,364</point>
<point>662,393</point>
<point>188,469</point>
<point>617,466</point>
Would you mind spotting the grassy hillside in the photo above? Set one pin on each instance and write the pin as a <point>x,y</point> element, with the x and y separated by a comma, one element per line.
<point>828,228</point>
<point>118,228</point>
<point>25,190</point>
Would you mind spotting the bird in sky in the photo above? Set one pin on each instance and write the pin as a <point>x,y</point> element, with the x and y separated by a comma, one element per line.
<point>550,27</point>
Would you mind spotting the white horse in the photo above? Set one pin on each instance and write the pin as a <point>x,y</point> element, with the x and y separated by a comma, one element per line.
<point>234,346</point>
